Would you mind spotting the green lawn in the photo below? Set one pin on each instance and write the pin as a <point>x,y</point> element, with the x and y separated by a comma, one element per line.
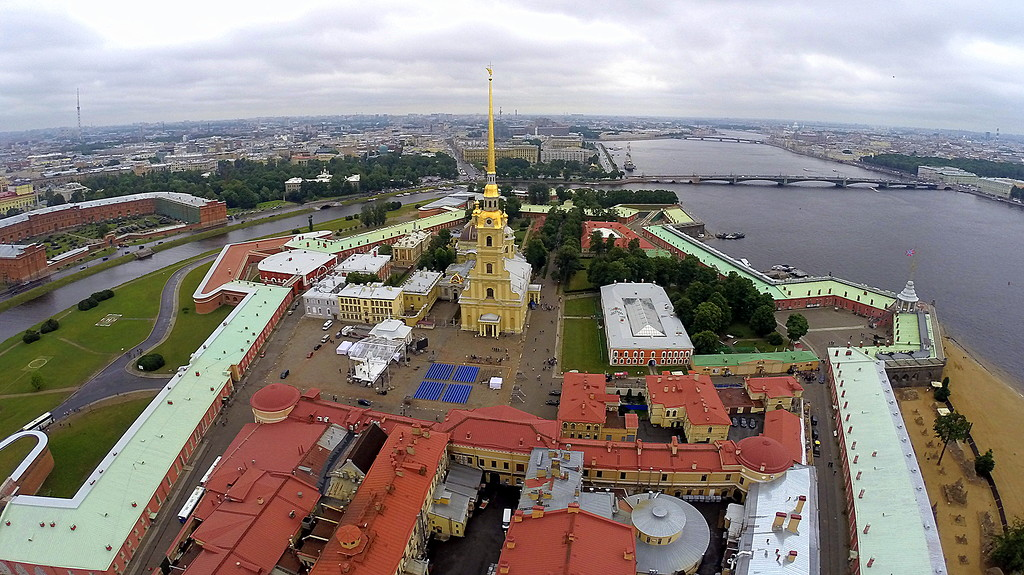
<point>190,329</point>
<point>79,448</point>
<point>69,356</point>
<point>13,454</point>
<point>583,306</point>
<point>583,349</point>
<point>579,281</point>
<point>17,411</point>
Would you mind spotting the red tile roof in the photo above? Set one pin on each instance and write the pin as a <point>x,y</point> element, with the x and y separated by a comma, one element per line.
<point>772,387</point>
<point>625,232</point>
<point>387,505</point>
<point>584,399</point>
<point>693,392</point>
<point>567,542</point>
<point>235,259</point>
<point>500,427</point>
<point>786,428</point>
<point>764,454</point>
<point>674,456</point>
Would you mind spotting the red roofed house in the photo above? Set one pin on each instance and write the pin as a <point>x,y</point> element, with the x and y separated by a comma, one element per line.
<point>688,401</point>
<point>382,530</point>
<point>498,439</point>
<point>622,234</point>
<point>567,542</point>
<point>786,428</point>
<point>776,392</point>
<point>587,411</point>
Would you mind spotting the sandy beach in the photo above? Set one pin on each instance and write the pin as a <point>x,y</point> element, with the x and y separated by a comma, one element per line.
<point>995,408</point>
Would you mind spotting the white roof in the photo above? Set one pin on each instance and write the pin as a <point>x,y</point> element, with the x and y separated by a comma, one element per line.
<point>367,263</point>
<point>757,536</point>
<point>640,316</point>
<point>392,329</point>
<point>421,281</point>
<point>370,291</point>
<point>295,262</point>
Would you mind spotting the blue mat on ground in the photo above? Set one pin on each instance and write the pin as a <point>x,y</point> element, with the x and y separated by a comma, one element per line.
<point>466,373</point>
<point>457,393</point>
<point>429,390</point>
<point>440,371</point>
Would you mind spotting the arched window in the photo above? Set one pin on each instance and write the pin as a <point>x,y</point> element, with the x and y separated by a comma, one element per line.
<point>490,293</point>
<point>490,268</point>
<point>489,241</point>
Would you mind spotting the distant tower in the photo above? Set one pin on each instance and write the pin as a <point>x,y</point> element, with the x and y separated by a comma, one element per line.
<point>78,105</point>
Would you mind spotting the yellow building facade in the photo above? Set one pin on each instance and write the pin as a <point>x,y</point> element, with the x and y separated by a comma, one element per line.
<point>497,298</point>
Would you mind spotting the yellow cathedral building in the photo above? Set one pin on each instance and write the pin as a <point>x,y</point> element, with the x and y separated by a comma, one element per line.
<point>499,291</point>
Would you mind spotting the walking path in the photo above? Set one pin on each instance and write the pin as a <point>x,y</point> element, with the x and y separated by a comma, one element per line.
<point>117,377</point>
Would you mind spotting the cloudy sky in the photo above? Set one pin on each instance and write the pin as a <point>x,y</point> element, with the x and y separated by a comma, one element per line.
<point>936,64</point>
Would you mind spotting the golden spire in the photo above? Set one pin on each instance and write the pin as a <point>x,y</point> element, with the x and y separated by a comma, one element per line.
<point>491,189</point>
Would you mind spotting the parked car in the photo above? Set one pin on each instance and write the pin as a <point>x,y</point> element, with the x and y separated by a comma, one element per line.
<point>814,433</point>
<point>328,324</point>
<point>284,374</point>
<point>752,423</point>
<point>552,402</point>
<point>325,338</point>
<point>743,422</point>
<point>309,355</point>
<point>814,420</point>
<point>364,402</point>
<point>317,346</point>
<point>735,422</point>
<point>555,392</point>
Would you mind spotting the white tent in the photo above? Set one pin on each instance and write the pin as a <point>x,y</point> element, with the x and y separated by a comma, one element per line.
<point>495,383</point>
<point>344,347</point>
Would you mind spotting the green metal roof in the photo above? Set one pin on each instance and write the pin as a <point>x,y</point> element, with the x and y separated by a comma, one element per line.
<point>102,511</point>
<point>889,493</point>
<point>676,215</point>
<point>378,235</point>
<point>779,289</point>
<point>736,359</point>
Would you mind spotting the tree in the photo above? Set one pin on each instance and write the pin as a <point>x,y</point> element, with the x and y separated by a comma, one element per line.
<point>37,382</point>
<point>567,258</point>
<point>385,249</point>
<point>513,207</point>
<point>361,278</point>
<point>774,338</point>
<point>49,325</point>
<point>705,342</point>
<point>151,362</point>
<point>538,193</point>
<point>30,336</point>
<point>536,254</point>
<point>1008,551</point>
<point>762,321</point>
<point>796,327</point>
<point>984,463</point>
<point>708,317</point>
<point>951,427</point>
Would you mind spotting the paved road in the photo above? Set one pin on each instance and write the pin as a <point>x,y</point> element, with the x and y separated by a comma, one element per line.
<point>116,378</point>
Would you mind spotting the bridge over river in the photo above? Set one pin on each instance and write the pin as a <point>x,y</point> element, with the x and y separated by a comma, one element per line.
<point>781,180</point>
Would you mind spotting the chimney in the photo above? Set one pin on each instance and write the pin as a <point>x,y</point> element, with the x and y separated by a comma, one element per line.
<point>573,508</point>
<point>674,445</point>
<point>800,504</point>
<point>794,523</point>
<point>537,512</point>
<point>510,542</point>
<point>628,555</point>
<point>517,517</point>
<point>503,567</point>
<point>780,518</point>
<point>791,557</point>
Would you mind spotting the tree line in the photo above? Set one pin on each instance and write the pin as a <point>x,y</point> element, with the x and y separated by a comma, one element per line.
<point>246,183</point>
<point>984,168</point>
<point>520,169</point>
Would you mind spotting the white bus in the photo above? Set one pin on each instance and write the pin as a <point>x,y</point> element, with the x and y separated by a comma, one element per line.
<point>209,472</point>
<point>40,423</point>
<point>190,504</point>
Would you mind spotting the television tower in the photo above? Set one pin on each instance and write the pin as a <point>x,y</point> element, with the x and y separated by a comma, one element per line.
<point>78,106</point>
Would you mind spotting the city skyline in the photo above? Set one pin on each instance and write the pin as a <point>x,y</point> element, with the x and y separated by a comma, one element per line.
<point>948,67</point>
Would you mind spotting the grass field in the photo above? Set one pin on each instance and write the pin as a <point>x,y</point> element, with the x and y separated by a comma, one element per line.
<point>17,411</point>
<point>583,349</point>
<point>11,456</point>
<point>190,329</point>
<point>582,307</point>
<point>78,448</point>
<point>579,281</point>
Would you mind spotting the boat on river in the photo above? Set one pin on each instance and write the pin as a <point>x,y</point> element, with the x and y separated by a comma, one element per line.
<point>731,236</point>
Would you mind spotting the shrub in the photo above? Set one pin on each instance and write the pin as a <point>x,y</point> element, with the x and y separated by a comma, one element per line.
<point>984,463</point>
<point>774,338</point>
<point>87,304</point>
<point>296,231</point>
<point>49,325</point>
<point>30,336</point>
<point>942,394</point>
<point>151,362</point>
<point>102,295</point>
<point>37,381</point>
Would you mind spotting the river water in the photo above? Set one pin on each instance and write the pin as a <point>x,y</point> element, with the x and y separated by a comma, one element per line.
<point>965,256</point>
<point>24,316</point>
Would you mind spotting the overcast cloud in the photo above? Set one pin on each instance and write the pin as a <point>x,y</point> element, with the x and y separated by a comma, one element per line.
<point>937,64</point>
